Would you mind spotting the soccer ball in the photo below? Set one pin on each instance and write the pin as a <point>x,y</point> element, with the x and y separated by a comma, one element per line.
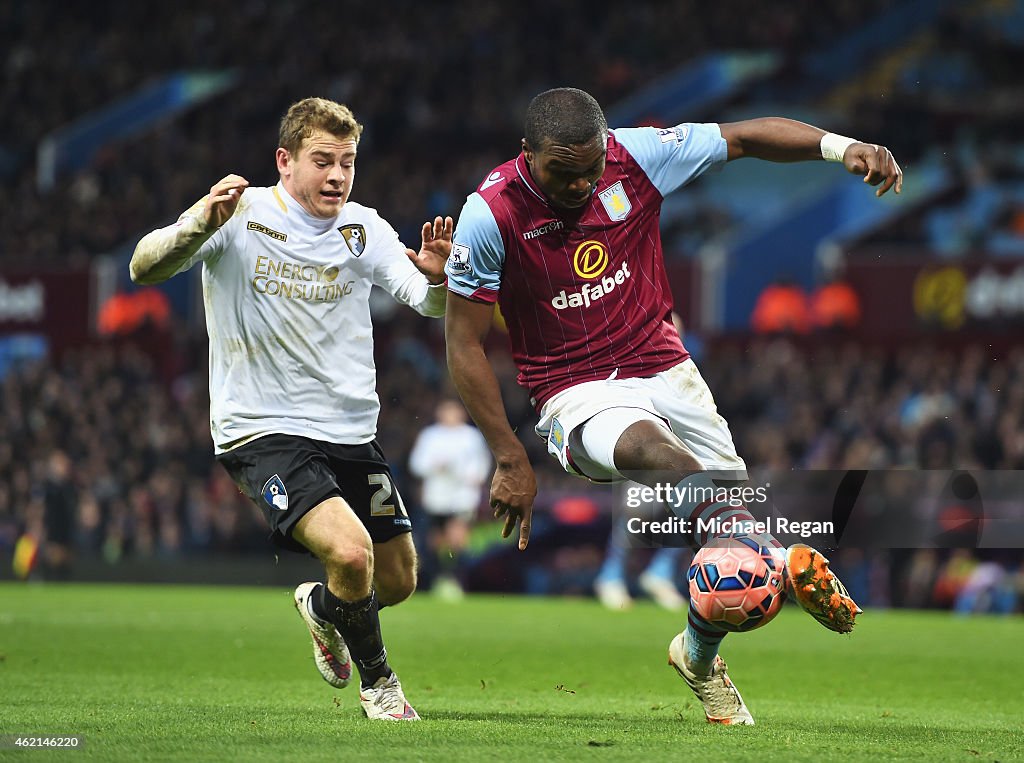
<point>736,584</point>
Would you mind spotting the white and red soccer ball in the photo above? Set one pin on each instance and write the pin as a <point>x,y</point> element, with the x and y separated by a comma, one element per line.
<point>736,584</point>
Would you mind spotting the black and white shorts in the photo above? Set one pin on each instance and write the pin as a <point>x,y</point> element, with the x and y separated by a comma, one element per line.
<point>287,475</point>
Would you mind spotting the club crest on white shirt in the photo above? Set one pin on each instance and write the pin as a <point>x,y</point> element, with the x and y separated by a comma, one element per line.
<point>275,494</point>
<point>355,238</point>
<point>615,201</point>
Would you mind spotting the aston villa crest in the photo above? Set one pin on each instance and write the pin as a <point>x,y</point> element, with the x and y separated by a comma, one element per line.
<point>355,237</point>
<point>615,201</point>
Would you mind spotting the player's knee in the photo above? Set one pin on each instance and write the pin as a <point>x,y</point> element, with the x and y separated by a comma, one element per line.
<point>352,561</point>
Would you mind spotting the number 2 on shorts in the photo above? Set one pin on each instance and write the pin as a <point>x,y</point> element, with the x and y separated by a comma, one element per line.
<point>379,506</point>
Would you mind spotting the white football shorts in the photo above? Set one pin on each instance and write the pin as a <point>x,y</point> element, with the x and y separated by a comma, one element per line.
<point>678,399</point>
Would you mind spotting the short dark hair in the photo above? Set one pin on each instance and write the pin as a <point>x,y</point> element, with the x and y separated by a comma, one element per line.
<point>566,116</point>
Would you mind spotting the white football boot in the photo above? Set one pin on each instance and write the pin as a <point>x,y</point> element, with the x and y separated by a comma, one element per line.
<point>663,591</point>
<point>722,702</point>
<point>613,595</point>
<point>385,701</point>
<point>329,650</point>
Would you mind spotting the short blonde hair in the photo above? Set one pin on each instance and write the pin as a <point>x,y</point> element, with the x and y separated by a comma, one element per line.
<point>311,114</point>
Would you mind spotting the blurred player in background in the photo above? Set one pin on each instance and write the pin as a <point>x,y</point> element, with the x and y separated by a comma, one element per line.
<point>565,238</point>
<point>287,273</point>
<point>452,459</point>
<point>657,579</point>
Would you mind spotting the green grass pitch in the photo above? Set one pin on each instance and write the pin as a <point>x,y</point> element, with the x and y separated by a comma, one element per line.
<point>174,673</point>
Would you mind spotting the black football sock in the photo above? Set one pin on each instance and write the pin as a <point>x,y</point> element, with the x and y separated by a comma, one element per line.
<point>359,624</point>
<point>319,609</point>
<point>317,606</point>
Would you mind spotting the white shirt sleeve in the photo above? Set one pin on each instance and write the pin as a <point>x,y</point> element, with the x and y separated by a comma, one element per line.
<point>394,273</point>
<point>181,236</point>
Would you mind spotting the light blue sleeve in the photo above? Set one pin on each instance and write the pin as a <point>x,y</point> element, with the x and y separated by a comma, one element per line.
<point>478,254</point>
<point>674,156</point>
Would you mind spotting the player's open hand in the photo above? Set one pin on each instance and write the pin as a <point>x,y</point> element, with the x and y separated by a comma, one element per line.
<point>876,164</point>
<point>223,199</point>
<point>434,251</point>
<point>512,492</point>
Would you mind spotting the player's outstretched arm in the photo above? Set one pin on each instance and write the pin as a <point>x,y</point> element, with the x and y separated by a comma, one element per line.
<point>777,139</point>
<point>514,486</point>
<point>160,254</point>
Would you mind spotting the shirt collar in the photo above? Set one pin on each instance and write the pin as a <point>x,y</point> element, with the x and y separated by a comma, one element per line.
<point>298,214</point>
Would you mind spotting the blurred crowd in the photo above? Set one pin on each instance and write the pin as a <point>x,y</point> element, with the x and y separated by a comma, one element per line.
<point>958,95</point>
<point>105,451</point>
<point>112,457</point>
<point>846,407</point>
<point>100,454</point>
<point>443,103</point>
<point>441,95</point>
<point>960,76</point>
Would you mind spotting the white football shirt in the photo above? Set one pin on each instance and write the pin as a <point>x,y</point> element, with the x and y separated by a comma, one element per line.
<point>453,462</point>
<point>287,299</point>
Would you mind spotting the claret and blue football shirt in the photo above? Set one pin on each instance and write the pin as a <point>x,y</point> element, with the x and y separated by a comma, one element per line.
<point>584,292</point>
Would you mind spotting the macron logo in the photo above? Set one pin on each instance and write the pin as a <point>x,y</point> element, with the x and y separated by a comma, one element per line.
<point>553,225</point>
<point>591,292</point>
<point>493,179</point>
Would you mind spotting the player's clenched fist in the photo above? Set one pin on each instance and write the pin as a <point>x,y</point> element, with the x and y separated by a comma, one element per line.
<point>223,199</point>
<point>876,164</point>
